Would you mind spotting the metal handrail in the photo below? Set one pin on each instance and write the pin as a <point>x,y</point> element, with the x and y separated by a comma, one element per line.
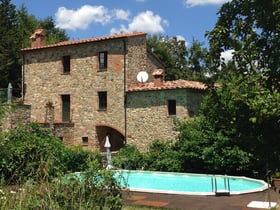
<point>215,186</point>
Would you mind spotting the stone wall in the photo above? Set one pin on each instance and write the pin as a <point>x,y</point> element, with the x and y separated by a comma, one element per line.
<point>15,115</point>
<point>148,117</point>
<point>45,81</point>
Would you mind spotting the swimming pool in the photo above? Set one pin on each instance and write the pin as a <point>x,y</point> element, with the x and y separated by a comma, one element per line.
<point>184,183</point>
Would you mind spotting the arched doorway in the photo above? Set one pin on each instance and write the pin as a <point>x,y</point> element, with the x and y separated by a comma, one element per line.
<point>116,138</point>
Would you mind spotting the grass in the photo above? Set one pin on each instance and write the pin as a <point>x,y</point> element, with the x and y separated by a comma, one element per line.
<point>131,207</point>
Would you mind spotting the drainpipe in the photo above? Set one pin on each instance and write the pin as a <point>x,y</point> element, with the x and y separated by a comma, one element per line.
<point>124,88</point>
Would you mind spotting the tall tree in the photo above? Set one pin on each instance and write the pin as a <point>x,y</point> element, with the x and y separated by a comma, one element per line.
<point>252,29</point>
<point>181,62</point>
<point>9,45</point>
<point>197,61</point>
<point>27,24</point>
<point>53,34</point>
<point>172,52</point>
<point>246,106</point>
<point>15,31</point>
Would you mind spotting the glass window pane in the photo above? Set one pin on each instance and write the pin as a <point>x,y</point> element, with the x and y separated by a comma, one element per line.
<point>172,107</point>
<point>65,108</point>
<point>66,64</point>
<point>102,60</point>
<point>102,96</point>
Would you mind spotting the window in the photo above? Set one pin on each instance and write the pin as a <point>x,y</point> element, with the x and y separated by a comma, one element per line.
<point>65,108</point>
<point>66,64</point>
<point>102,60</point>
<point>102,97</point>
<point>171,107</point>
<point>85,140</point>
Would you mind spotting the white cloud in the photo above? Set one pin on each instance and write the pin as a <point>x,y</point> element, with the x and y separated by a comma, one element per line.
<point>121,14</point>
<point>193,3</point>
<point>146,22</point>
<point>82,17</point>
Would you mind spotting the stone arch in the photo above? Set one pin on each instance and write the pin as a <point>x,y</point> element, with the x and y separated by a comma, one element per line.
<point>116,137</point>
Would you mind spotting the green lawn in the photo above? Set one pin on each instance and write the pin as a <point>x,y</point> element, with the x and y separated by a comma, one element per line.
<point>131,207</point>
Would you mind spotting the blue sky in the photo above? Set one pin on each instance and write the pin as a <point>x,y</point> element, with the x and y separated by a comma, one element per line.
<point>186,19</point>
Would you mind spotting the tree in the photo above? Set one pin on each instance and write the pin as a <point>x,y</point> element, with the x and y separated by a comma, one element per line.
<point>16,29</point>
<point>53,34</point>
<point>172,52</point>
<point>252,30</point>
<point>246,106</point>
<point>181,62</point>
<point>202,149</point>
<point>28,24</point>
<point>9,45</point>
<point>197,61</point>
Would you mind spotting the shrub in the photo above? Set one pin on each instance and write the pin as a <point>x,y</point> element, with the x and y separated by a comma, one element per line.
<point>128,157</point>
<point>162,157</point>
<point>97,189</point>
<point>30,152</point>
<point>77,158</point>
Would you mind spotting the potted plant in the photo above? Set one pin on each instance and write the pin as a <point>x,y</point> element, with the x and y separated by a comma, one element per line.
<point>49,104</point>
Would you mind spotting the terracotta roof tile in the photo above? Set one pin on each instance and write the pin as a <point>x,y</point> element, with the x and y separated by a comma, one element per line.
<point>81,41</point>
<point>176,84</point>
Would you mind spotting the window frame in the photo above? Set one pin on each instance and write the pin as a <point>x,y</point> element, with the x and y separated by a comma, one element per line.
<point>102,100</point>
<point>66,108</point>
<point>103,63</point>
<point>66,64</point>
<point>172,107</point>
<point>85,140</point>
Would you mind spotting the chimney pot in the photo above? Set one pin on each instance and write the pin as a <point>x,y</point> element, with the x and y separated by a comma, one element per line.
<point>158,77</point>
<point>38,38</point>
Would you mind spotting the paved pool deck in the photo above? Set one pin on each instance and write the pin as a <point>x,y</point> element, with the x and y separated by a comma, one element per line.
<point>200,202</point>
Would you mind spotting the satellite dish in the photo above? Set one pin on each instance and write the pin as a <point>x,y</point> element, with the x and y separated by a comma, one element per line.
<point>142,76</point>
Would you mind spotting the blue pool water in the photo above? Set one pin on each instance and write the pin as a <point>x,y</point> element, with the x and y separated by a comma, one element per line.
<point>182,183</point>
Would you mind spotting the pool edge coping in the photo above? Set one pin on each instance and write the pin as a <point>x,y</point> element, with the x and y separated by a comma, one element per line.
<point>259,189</point>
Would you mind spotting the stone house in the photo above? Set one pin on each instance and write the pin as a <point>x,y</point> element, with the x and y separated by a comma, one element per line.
<point>87,89</point>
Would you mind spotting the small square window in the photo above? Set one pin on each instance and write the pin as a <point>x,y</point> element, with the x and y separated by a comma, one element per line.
<point>85,140</point>
<point>102,98</point>
<point>171,107</point>
<point>102,60</point>
<point>66,64</point>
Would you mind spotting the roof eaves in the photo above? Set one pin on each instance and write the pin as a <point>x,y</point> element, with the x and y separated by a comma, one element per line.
<point>83,41</point>
<point>158,88</point>
<point>156,57</point>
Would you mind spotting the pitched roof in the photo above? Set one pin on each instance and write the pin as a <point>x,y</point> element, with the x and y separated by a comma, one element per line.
<point>82,41</point>
<point>176,84</point>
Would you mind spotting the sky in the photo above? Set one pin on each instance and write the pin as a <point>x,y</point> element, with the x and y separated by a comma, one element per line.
<point>185,19</point>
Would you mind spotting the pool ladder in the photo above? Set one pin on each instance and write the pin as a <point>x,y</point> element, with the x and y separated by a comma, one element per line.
<point>216,190</point>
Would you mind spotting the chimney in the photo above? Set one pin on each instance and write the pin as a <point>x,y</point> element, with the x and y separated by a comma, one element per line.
<point>158,77</point>
<point>38,38</point>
